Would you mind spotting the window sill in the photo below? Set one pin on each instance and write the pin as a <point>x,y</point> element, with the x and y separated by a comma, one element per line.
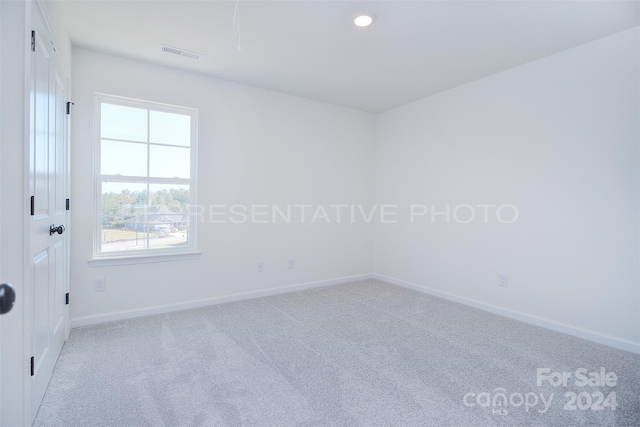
<point>141,259</point>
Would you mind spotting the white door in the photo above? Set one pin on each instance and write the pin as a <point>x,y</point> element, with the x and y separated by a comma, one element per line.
<point>49,219</point>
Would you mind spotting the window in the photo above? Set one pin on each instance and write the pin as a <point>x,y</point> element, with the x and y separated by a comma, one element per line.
<point>146,176</point>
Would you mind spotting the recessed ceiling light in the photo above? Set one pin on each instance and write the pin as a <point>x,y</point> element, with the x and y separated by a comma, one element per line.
<point>364,20</point>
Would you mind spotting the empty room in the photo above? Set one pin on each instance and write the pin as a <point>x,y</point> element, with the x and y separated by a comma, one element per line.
<point>319,213</point>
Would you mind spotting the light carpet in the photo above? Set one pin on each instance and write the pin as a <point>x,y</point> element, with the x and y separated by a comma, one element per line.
<point>365,353</point>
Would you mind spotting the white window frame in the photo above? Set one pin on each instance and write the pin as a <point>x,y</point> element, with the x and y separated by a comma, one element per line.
<point>143,255</point>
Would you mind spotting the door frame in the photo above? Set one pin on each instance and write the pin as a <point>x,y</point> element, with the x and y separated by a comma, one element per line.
<point>0,215</point>
<point>15,62</point>
<point>16,20</point>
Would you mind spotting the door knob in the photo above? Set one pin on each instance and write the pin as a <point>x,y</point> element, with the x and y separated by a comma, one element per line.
<point>7,298</point>
<point>53,230</point>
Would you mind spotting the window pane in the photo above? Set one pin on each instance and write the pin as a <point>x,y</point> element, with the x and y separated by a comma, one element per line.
<point>170,128</point>
<point>123,158</point>
<point>146,145</point>
<point>169,162</point>
<point>120,122</point>
<point>124,206</point>
<point>169,216</point>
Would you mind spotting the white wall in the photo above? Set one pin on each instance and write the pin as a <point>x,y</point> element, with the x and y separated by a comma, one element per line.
<point>255,146</point>
<point>558,138</point>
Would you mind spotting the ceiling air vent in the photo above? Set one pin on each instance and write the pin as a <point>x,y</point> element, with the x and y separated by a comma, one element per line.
<point>180,52</point>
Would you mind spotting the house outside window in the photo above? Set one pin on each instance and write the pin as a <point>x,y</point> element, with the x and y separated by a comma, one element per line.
<point>145,178</point>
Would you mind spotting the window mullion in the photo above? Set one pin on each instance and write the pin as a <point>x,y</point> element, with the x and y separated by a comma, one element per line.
<point>144,179</point>
<point>148,226</point>
<point>130,141</point>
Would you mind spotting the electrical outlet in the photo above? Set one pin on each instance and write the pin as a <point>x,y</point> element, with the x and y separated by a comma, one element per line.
<point>99,284</point>
<point>292,264</point>
<point>503,280</point>
<point>260,267</point>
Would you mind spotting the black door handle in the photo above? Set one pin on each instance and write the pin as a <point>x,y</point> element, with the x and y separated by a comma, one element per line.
<point>7,298</point>
<point>53,230</point>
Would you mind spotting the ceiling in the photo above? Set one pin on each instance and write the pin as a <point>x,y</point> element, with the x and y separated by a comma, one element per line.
<point>312,49</point>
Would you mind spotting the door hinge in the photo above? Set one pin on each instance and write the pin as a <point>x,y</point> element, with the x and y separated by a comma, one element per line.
<point>33,366</point>
<point>67,298</point>
<point>33,205</point>
<point>67,204</point>
<point>69,104</point>
<point>33,41</point>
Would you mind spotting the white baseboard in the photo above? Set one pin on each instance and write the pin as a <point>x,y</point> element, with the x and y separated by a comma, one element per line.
<point>129,314</point>
<point>622,344</point>
<point>618,343</point>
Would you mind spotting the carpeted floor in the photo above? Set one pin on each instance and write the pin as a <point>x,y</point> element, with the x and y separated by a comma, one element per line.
<point>365,353</point>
